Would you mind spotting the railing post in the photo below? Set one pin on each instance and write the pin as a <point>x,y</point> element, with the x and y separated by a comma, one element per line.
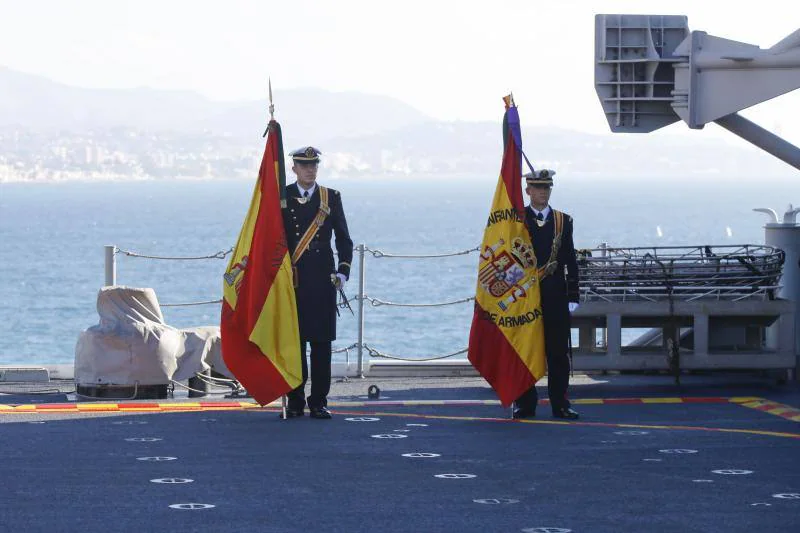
<point>361,292</point>
<point>111,265</point>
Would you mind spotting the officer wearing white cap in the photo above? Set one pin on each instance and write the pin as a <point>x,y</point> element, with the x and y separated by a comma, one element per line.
<point>551,235</point>
<point>313,217</point>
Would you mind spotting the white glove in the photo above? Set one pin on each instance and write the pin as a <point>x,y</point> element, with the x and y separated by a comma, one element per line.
<point>342,280</point>
<point>572,307</point>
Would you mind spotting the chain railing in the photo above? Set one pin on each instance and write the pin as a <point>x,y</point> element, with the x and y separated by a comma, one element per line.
<point>607,274</point>
<point>362,250</point>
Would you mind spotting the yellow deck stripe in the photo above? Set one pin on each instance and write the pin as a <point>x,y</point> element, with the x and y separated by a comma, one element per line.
<point>589,424</point>
<point>773,408</point>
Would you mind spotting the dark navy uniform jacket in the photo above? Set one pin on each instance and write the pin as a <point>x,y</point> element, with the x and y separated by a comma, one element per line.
<point>316,295</point>
<point>560,287</point>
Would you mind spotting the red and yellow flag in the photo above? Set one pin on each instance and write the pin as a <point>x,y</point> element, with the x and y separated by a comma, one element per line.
<point>260,333</point>
<point>506,341</point>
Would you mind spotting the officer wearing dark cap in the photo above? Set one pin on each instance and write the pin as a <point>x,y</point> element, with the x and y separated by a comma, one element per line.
<point>312,218</point>
<point>551,235</point>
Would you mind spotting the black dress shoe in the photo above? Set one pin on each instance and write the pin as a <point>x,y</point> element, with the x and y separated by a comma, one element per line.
<point>319,412</point>
<point>523,412</point>
<point>566,412</point>
<point>292,413</point>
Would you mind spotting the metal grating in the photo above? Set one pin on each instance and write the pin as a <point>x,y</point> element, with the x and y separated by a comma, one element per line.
<point>731,272</point>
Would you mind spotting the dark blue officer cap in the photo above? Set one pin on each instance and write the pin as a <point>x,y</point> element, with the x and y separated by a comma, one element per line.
<point>306,154</point>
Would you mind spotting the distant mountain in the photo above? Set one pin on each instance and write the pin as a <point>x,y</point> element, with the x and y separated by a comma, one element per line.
<point>38,104</point>
<point>51,131</point>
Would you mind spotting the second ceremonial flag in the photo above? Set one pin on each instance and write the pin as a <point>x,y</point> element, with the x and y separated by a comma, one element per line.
<point>506,341</point>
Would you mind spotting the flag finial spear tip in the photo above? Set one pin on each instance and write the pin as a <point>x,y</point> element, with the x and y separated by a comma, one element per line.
<point>271,105</point>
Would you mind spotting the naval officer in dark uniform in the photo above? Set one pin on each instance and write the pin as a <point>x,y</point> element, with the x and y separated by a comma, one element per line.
<point>313,216</point>
<point>551,234</point>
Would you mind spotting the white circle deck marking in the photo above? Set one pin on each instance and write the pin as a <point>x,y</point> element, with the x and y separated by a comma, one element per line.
<point>130,422</point>
<point>171,480</point>
<point>631,432</point>
<point>143,439</point>
<point>422,454</point>
<point>455,476</point>
<point>761,503</point>
<point>496,501</point>
<point>787,496</point>
<point>362,419</point>
<point>417,425</point>
<point>732,472</point>
<point>156,458</point>
<point>546,530</point>
<point>390,436</point>
<point>678,450</point>
<point>191,506</point>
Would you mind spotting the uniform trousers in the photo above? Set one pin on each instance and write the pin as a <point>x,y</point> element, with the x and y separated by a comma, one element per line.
<point>556,330</point>
<point>320,377</point>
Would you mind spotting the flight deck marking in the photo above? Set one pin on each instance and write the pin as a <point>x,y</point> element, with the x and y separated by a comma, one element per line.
<point>761,404</point>
<point>678,450</point>
<point>496,501</point>
<point>191,506</point>
<point>773,408</point>
<point>579,423</point>
<point>751,402</point>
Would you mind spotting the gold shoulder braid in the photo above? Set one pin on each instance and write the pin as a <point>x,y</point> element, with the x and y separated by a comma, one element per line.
<point>552,261</point>
<point>313,228</point>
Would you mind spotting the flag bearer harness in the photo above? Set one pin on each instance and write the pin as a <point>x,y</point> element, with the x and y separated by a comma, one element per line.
<point>311,232</point>
<point>552,261</point>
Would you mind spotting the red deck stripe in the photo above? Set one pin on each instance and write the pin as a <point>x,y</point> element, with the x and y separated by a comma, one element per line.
<point>711,399</point>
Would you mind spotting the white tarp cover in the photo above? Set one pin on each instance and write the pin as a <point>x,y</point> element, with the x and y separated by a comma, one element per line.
<point>132,344</point>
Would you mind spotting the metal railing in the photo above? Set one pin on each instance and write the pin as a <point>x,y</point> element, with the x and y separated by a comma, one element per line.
<point>606,274</point>
<point>362,250</point>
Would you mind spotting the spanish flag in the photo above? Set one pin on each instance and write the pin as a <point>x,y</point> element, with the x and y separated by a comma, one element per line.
<point>260,335</point>
<point>506,340</point>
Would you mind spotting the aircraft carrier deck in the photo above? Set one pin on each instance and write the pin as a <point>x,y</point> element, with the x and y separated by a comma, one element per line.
<point>719,452</point>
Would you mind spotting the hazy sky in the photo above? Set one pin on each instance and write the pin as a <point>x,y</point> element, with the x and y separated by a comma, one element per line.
<point>453,60</point>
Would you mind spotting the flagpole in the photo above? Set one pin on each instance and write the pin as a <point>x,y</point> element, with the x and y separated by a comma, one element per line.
<point>283,205</point>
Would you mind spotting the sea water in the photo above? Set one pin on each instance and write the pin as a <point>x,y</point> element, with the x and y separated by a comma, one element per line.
<point>52,239</point>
